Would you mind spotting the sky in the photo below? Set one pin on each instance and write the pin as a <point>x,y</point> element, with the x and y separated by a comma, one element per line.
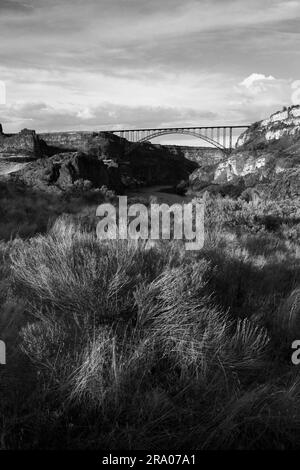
<point>110,64</point>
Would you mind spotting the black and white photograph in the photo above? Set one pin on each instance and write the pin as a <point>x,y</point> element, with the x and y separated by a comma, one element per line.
<point>149,229</point>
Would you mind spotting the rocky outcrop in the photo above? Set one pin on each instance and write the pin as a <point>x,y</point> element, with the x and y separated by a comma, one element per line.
<point>67,172</point>
<point>29,145</point>
<point>281,126</point>
<point>103,145</point>
<point>267,156</point>
<point>25,145</point>
<point>244,164</point>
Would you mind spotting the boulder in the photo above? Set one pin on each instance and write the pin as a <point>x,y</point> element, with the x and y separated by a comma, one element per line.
<point>66,171</point>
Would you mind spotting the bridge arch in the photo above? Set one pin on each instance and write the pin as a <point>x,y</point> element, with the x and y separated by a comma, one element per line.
<point>192,133</point>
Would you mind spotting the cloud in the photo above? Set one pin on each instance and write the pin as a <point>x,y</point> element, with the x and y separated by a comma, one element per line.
<point>125,36</point>
<point>259,87</point>
<point>146,60</point>
<point>257,83</point>
<point>259,95</point>
<point>15,6</point>
<point>43,117</point>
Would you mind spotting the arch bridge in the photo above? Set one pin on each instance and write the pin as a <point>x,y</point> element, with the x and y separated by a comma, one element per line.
<point>220,137</point>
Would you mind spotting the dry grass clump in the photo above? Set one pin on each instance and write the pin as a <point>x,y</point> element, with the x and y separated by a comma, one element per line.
<point>73,272</point>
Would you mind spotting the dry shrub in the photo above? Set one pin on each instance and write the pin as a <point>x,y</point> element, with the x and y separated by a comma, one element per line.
<point>73,272</point>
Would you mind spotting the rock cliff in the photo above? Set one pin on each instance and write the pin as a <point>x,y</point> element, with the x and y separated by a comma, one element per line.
<point>103,145</point>
<point>267,155</point>
<point>281,125</point>
<point>199,155</point>
<point>23,146</point>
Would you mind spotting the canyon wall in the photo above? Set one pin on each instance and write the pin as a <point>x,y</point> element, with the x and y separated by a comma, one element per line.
<point>199,155</point>
<point>25,146</point>
<point>283,124</point>
<point>113,146</point>
<point>104,145</point>
<point>267,154</point>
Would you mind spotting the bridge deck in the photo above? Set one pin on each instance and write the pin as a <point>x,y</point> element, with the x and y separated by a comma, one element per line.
<point>218,136</point>
<point>179,128</point>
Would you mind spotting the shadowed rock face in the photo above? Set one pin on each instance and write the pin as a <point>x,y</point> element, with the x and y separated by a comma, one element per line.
<point>65,171</point>
<point>199,155</point>
<point>155,164</point>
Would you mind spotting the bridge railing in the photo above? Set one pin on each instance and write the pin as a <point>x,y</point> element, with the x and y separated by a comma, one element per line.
<point>218,136</point>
